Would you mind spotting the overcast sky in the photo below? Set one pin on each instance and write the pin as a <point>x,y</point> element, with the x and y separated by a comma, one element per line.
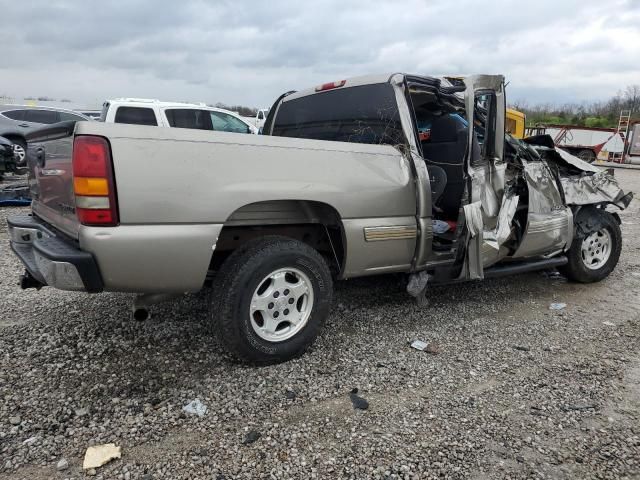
<point>248,52</point>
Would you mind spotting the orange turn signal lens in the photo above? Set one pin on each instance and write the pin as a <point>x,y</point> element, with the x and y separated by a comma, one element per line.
<point>90,186</point>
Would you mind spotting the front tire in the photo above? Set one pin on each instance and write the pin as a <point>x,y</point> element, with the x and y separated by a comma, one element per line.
<point>270,300</point>
<point>19,151</point>
<point>596,246</point>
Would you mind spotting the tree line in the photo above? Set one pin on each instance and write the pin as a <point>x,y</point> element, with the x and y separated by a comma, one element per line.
<point>240,109</point>
<point>595,114</point>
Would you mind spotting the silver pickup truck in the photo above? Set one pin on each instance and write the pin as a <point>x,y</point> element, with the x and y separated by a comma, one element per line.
<point>370,175</point>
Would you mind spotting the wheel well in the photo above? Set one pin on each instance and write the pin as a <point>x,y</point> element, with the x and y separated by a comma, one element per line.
<point>15,136</point>
<point>315,223</point>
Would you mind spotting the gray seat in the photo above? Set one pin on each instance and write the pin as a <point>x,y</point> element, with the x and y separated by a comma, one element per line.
<point>446,149</point>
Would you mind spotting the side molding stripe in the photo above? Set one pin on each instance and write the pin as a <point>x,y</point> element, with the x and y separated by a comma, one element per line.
<point>400,232</point>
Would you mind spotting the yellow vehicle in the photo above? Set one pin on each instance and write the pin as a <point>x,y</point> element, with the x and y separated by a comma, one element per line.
<point>515,123</point>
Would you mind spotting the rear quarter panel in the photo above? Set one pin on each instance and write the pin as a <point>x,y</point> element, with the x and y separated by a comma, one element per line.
<point>176,177</point>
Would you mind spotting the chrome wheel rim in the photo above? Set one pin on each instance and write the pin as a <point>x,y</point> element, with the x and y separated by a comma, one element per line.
<point>596,249</point>
<point>19,153</point>
<point>281,304</point>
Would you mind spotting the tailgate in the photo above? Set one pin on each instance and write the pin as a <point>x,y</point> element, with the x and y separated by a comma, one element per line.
<point>51,176</point>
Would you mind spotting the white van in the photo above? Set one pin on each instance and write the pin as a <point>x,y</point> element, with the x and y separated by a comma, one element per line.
<point>142,111</point>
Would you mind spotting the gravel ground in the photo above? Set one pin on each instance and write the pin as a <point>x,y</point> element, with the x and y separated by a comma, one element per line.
<point>511,389</point>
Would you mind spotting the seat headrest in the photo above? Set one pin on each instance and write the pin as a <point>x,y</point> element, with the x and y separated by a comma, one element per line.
<point>445,129</point>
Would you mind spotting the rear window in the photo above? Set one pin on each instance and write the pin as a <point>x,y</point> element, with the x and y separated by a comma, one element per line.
<point>136,116</point>
<point>366,114</point>
<point>189,118</point>
<point>14,114</point>
<point>41,116</point>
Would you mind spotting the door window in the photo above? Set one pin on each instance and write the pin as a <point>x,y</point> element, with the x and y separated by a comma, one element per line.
<point>189,118</point>
<point>14,114</point>
<point>485,122</point>
<point>136,116</point>
<point>224,122</point>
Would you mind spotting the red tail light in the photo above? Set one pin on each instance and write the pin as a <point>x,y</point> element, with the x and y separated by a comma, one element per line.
<point>93,182</point>
<point>330,85</point>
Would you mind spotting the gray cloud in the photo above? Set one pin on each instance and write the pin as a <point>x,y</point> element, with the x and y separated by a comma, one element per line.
<point>250,52</point>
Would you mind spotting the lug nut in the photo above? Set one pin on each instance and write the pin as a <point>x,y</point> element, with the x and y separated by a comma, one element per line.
<point>270,306</point>
<point>286,311</point>
<point>286,291</point>
<point>276,294</point>
<point>291,301</point>
<point>276,314</point>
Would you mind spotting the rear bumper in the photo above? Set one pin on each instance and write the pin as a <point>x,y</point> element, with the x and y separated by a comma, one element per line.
<point>52,259</point>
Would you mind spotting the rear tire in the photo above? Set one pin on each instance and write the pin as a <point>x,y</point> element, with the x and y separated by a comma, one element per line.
<point>270,300</point>
<point>587,155</point>
<point>596,246</point>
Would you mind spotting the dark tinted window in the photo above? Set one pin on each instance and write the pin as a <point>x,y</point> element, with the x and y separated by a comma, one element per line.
<point>189,118</point>
<point>41,116</point>
<point>223,122</point>
<point>136,115</point>
<point>14,114</point>
<point>366,114</point>
<point>64,117</point>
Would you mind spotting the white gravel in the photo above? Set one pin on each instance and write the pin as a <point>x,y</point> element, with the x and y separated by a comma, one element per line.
<point>511,389</point>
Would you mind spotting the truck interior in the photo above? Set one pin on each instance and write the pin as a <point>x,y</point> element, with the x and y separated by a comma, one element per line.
<point>443,134</point>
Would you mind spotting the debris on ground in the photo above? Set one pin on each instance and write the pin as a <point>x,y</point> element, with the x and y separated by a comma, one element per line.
<point>290,394</point>
<point>580,408</point>
<point>81,412</point>
<point>433,348</point>
<point>30,441</point>
<point>14,420</point>
<point>99,455</point>
<point>608,323</point>
<point>195,407</point>
<point>522,348</point>
<point>419,345</point>
<point>417,287</point>
<point>250,437</point>
<point>551,274</point>
<point>557,306</point>
<point>62,464</point>
<point>359,403</point>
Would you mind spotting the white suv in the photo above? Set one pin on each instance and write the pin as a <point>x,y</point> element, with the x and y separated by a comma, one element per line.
<point>141,111</point>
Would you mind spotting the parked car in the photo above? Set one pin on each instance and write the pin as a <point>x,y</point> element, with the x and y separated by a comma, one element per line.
<point>259,119</point>
<point>17,120</point>
<point>341,185</point>
<point>140,111</point>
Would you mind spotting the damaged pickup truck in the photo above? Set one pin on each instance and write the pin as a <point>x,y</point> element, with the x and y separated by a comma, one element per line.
<point>371,175</point>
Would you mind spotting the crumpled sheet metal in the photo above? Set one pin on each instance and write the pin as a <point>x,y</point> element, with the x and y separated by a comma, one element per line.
<point>544,196</point>
<point>588,189</point>
<point>495,238</point>
<point>577,162</point>
<point>475,223</point>
<point>482,191</point>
